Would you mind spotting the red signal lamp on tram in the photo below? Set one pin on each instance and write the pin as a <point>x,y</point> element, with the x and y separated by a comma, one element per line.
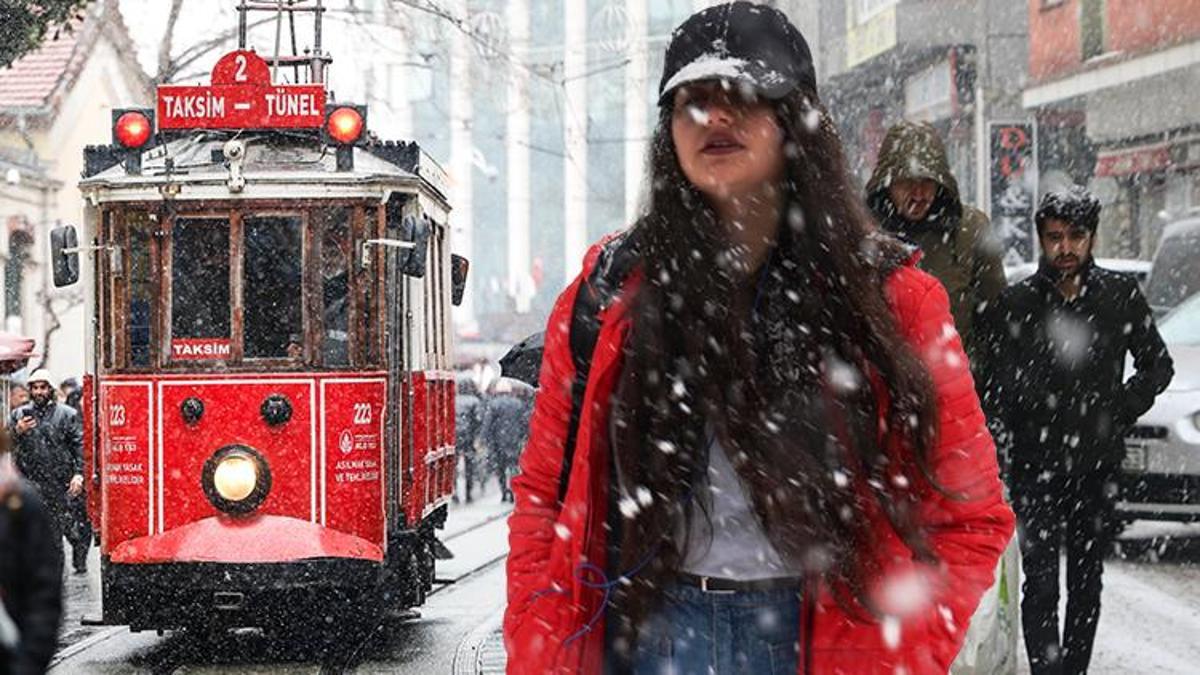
<point>132,131</point>
<point>345,127</point>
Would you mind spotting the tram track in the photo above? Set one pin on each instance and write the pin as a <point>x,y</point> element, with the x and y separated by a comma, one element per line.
<point>342,659</point>
<point>341,663</point>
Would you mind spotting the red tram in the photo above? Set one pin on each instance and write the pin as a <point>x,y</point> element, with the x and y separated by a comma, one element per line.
<point>268,411</point>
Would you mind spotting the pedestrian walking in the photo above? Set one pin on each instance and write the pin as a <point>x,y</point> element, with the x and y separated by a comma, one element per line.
<point>79,531</point>
<point>18,395</point>
<point>914,195</point>
<point>468,415</point>
<point>48,450</point>
<point>1061,338</point>
<point>30,574</point>
<point>772,458</point>
<point>504,430</point>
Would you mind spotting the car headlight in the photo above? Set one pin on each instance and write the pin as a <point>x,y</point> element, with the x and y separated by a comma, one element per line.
<point>236,479</point>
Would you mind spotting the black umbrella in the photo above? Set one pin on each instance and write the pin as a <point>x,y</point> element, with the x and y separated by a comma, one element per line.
<point>524,361</point>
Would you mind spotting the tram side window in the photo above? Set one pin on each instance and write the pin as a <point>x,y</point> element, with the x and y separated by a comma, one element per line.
<point>272,287</point>
<point>334,225</point>
<point>139,297</point>
<point>200,288</point>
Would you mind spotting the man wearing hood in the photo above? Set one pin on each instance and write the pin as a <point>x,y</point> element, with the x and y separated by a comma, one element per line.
<point>48,440</point>
<point>914,196</point>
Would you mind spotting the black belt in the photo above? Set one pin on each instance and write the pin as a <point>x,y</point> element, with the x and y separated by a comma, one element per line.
<point>719,585</point>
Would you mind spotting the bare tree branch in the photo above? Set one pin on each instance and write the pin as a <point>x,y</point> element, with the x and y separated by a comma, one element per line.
<point>164,48</point>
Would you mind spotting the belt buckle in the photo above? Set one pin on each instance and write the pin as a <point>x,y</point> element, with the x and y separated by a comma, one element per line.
<point>704,587</point>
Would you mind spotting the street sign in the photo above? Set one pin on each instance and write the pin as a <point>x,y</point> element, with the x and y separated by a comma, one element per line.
<point>241,96</point>
<point>1014,186</point>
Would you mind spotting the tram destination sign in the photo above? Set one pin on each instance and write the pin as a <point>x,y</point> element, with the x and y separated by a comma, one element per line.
<point>241,96</point>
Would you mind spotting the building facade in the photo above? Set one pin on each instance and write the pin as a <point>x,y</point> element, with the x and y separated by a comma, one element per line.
<point>53,102</point>
<point>1113,84</point>
<point>957,64</point>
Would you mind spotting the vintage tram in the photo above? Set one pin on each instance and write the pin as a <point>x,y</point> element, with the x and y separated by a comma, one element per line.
<point>268,404</point>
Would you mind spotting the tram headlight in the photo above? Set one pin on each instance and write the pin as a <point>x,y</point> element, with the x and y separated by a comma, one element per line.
<point>236,479</point>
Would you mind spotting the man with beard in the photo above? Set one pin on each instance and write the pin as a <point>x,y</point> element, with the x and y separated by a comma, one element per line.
<point>48,439</point>
<point>914,195</point>
<point>1061,339</point>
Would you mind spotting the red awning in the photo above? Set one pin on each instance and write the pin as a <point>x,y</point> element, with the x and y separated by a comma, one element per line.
<point>15,352</point>
<point>1126,161</point>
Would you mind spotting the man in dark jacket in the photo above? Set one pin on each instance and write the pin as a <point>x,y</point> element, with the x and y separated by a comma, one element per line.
<point>505,428</point>
<point>80,531</point>
<point>30,575</point>
<point>48,440</point>
<point>468,414</point>
<point>914,195</point>
<point>1059,384</point>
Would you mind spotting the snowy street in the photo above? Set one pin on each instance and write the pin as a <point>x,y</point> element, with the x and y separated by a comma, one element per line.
<point>456,632</point>
<point>1149,620</point>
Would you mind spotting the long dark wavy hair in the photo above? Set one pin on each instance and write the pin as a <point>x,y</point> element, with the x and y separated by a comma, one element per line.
<point>790,383</point>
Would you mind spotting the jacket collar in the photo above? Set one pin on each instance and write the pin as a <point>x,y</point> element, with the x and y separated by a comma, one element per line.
<point>1047,275</point>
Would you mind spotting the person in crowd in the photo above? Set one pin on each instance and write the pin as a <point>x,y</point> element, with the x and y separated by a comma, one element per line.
<point>30,574</point>
<point>1061,338</point>
<point>468,416</point>
<point>914,195</point>
<point>18,395</point>
<point>79,533</point>
<point>48,450</point>
<point>504,430</point>
<point>778,459</point>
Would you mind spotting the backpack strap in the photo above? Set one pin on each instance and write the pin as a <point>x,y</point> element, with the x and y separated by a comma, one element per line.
<point>613,265</point>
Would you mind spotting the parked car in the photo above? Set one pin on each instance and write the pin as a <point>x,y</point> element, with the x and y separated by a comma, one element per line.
<point>1160,477</point>
<point>1176,271</point>
<point>1138,268</point>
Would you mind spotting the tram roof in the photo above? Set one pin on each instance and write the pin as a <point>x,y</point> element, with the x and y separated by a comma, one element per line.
<point>277,165</point>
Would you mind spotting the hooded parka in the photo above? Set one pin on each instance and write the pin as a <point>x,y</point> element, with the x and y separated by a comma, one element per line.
<point>954,238</point>
<point>554,620</point>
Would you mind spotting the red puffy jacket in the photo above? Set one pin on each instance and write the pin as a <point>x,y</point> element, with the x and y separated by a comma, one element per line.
<point>548,603</point>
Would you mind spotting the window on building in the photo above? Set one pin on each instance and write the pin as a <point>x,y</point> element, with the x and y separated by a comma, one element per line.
<point>1091,27</point>
<point>869,8</point>
<point>272,289</point>
<point>19,245</point>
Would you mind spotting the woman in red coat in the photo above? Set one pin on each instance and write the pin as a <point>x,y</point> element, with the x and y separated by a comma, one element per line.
<point>779,464</point>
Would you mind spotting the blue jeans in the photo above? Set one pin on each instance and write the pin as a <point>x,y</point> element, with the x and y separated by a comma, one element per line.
<point>701,633</point>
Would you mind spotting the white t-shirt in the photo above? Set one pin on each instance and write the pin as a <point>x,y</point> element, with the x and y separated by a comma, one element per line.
<point>735,547</point>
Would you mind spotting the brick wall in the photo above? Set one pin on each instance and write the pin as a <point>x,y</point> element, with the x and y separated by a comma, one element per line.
<point>1130,26</point>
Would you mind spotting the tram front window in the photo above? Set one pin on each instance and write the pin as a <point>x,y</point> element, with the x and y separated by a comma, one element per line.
<point>200,289</point>
<point>335,284</point>
<point>272,287</point>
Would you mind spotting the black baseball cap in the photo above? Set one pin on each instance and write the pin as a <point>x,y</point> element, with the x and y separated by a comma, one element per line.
<point>739,41</point>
